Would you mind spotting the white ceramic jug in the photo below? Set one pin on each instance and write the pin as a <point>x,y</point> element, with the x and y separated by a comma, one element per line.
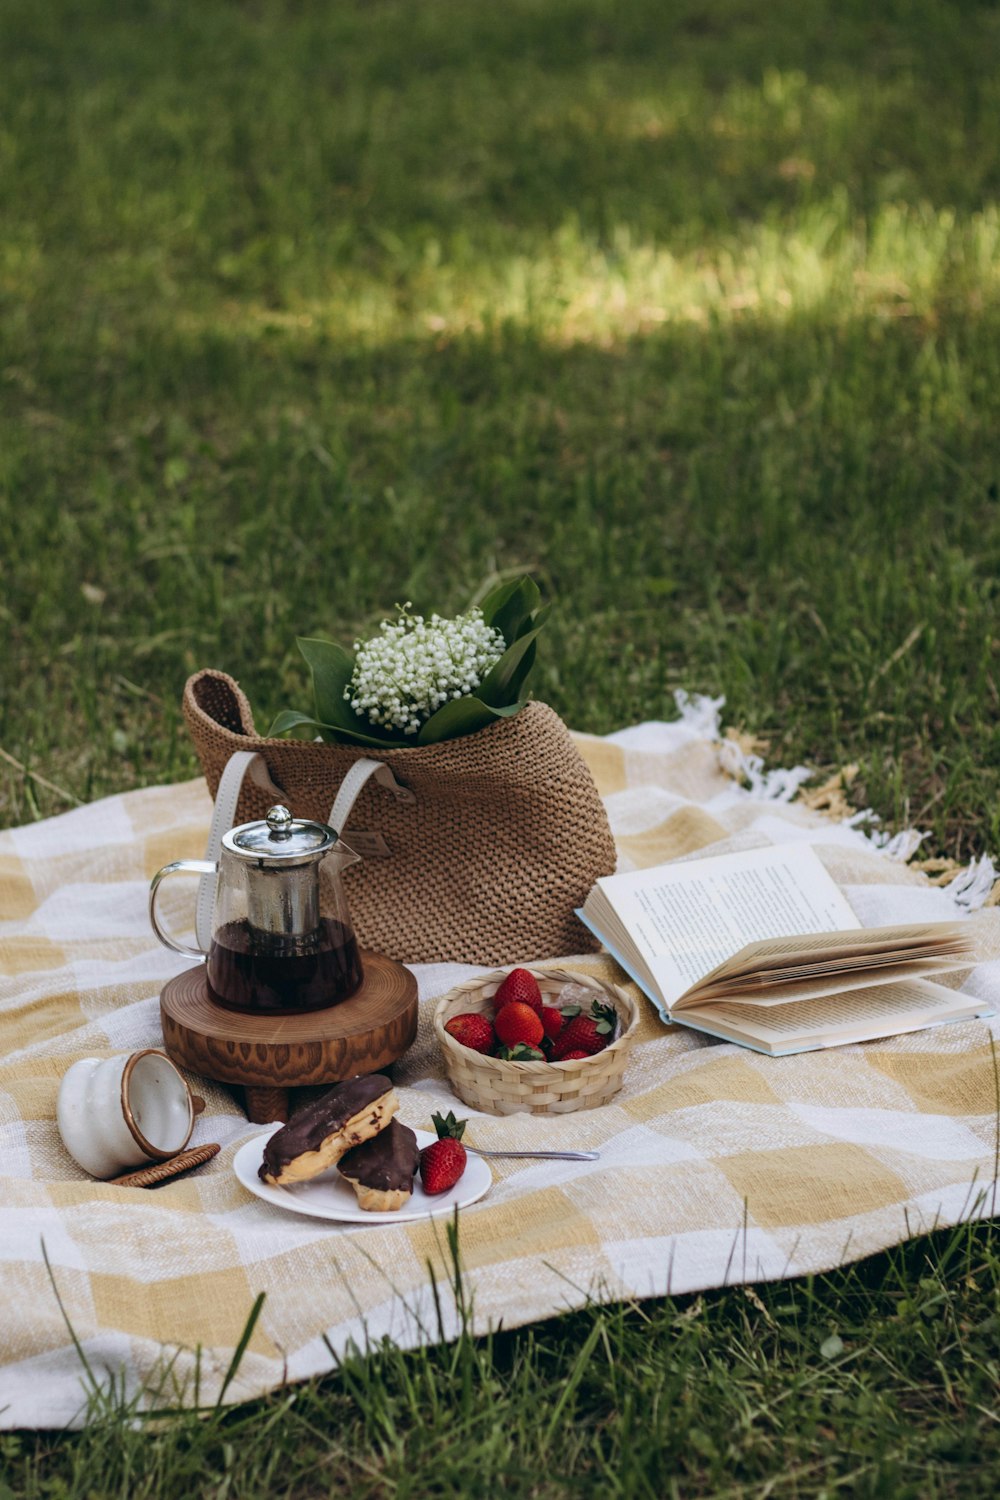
<point>120,1112</point>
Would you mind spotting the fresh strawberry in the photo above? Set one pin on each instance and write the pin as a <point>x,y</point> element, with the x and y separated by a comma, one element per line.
<point>521,987</point>
<point>518,1023</point>
<point>443,1161</point>
<point>571,1056</point>
<point>552,1020</point>
<point>473,1031</point>
<point>587,1034</point>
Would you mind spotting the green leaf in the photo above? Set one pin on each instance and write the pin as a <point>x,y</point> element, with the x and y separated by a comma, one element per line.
<point>605,1015</point>
<point>370,735</point>
<point>241,1347</point>
<point>332,668</point>
<point>289,719</point>
<point>521,1053</point>
<point>497,598</point>
<point>447,1126</point>
<point>537,618</point>
<point>515,616</point>
<point>511,607</point>
<point>462,716</point>
<point>505,679</point>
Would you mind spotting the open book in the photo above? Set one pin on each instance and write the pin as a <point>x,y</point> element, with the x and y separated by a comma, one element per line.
<point>761,948</point>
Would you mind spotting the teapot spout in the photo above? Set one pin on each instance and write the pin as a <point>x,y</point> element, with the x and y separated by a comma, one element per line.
<point>341,857</point>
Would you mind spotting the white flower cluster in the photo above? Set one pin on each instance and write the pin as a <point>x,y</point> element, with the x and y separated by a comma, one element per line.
<point>413,666</point>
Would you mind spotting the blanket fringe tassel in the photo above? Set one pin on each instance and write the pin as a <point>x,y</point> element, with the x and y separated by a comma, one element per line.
<point>970,886</point>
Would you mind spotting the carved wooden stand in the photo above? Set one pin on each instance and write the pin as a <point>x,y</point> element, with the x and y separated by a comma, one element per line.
<point>269,1055</point>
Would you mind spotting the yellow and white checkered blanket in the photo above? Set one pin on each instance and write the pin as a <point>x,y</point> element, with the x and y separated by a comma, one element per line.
<point>717,1165</point>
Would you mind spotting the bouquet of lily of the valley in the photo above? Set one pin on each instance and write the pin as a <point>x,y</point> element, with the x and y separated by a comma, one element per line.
<point>419,681</point>
<point>480,824</point>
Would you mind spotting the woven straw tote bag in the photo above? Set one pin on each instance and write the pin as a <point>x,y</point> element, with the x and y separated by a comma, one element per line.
<point>498,836</point>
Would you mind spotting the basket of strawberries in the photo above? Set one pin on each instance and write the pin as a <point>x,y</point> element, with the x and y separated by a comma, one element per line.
<point>535,1041</point>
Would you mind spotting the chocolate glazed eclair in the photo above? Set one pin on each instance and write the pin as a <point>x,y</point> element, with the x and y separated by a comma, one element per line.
<point>382,1170</point>
<point>324,1130</point>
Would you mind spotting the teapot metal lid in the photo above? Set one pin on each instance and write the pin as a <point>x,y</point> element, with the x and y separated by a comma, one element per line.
<point>280,839</point>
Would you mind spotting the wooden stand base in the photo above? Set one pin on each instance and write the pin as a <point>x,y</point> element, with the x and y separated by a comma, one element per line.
<point>269,1055</point>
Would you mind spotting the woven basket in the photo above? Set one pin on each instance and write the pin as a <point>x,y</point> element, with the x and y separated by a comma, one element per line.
<point>504,836</point>
<point>534,1088</point>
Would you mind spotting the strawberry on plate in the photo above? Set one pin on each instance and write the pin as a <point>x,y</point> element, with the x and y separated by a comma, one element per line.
<point>519,987</point>
<point>518,1023</point>
<point>472,1030</point>
<point>443,1161</point>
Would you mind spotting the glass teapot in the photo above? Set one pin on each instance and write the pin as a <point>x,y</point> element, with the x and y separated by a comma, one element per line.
<point>282,939</point>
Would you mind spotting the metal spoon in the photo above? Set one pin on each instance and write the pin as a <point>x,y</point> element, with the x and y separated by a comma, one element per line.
<point>541,1155</point>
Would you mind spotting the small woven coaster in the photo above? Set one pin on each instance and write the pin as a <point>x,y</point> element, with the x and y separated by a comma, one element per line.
<point>183,1162</point>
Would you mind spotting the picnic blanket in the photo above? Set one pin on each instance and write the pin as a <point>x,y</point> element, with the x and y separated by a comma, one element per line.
<point>716,1165</point>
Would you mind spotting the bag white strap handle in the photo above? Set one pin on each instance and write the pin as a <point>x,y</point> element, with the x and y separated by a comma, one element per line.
<point>351,786</point>
<point>243,763</point>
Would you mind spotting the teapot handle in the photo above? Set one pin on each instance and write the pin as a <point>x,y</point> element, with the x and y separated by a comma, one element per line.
<point>194,867</point>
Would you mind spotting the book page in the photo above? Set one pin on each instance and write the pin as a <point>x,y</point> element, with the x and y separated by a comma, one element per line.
<point>819,987</point>
<point>864,963</point>
<point>883,1010</point>
<point>686,919</point>
<point>782,991</point>
<point>836,946</point>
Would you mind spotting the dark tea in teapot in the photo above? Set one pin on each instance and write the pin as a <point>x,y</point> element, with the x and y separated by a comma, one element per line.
<point>281,934</point>
<point>253,971</point>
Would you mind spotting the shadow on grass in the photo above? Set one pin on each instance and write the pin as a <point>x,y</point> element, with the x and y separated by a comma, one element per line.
<point>307,309</point>
<point>262,146</point>
<point>799,513</point>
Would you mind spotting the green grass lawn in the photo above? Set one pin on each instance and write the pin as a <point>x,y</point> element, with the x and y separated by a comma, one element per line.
<point>693,310</point>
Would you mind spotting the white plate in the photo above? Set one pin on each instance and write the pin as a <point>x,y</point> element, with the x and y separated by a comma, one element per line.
<point>330,1197</point>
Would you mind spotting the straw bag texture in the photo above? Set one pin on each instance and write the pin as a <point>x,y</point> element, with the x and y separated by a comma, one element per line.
<point>505,834</point>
